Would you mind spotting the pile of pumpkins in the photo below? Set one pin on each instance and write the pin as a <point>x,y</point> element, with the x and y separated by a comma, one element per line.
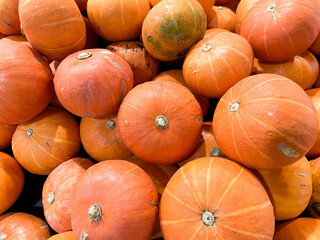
<point>198,119</point>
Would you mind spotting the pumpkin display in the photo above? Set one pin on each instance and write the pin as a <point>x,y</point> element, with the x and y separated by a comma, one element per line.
<point>92,37</point>
<point>221,17</point>
<point>217,62</point>
<point>122,206</point>
<point>116,20</point>
<point>160,122</point>
<point>22,226</point>
<point>279,30</point>
<point>242,10</point>
<point>11,182</point>
<point>26,82</point>
<point>63,236</point>
<point>41,144</point>
<point>10,23</point>
<point>298,229</point>
<point>172,27</point>
<point>6,132</point>
<point>92,83</point>
<point>314,204</point>
<point>253,122</point>
<point>57,30</point>
<point>101,138</point>
<point>302,69</point>
<point>144,66</point>
<point>199,201</point>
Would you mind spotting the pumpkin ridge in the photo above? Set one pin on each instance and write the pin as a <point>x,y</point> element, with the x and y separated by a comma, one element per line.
<point>180,201</point>
<point>247,209</point>
<point>234,140</point>
<point>33,157</point>
<point>265,36</point>
<point>56,139</point>
<point>46,151</point>
<point>169,222</point>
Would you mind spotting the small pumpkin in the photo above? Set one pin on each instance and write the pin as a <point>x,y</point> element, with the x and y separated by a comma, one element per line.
<point>314,204</point>
<point>221,17</point>
<point>6,132</point>
<point>63,236</point>
<point>10,23</point>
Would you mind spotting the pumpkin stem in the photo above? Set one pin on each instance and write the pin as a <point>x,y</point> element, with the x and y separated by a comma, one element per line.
<point>220,8</point>
<point>206,48</point>
<point>208,218</point>
<point>84,55</point>
<point>215,152</point>
<point>95,213</point>
<point>234,107</point>
<point>51,198</point>
<point>110,124</point>
<point>271,7</point>
<point>162,122</point>
<point>84,235</point>
<point>29,132</point>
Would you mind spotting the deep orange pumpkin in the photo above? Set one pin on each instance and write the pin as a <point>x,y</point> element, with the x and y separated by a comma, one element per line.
<point>10,23</point>
<point>160,122</point>
<point>92,38</point>
<point>217,62</point>
<point>57,192</point>
<point>199,203</point>
<point>6,132</point>
<point>18,38</point>
<point>92,83</point>
<point>122,206</point>
<point>63,236</point>
<point>41,144</point>
<point>101,138</point>
<point>253,123</point>
<point>221,17</point>
<point>314,204</point>
<point>315,47</point>
<point>242,10</point>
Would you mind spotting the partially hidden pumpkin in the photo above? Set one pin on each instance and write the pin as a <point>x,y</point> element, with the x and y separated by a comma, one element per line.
<point>242,10</point>
<point>315,47</point>
<point>10,23</point>
<point>221,17</point>
<point>54,100</point>
<point>314,204</point>
<point>92,38</point>
<point>63,236</point>
<point>6,132</point>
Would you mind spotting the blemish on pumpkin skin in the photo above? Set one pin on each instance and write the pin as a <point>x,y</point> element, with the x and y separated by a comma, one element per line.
<point>84,235</point>
<point>199,119</point>
<point>3,235</point>
<point>42,227</point>
<point>7,24</point>
<point>287,151</point>
<point>126,122</point>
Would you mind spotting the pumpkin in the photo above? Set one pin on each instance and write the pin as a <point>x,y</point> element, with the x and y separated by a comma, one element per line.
<point>176,75</point>
<point>289,188</point>
<point>122,206</point>
<point>207,5</point>
<point>2,35</point>
<point>18,38</point>
<point>160,122</point>
<point>57,30</point>
<point>116,20</point>
<point>172,27</point>
<point>57,192</point>
<point>101,138</point>
<point>298,229</point>
<point>279,30</point>
<point>11,181</point>
<point>144,66</point>
<point>317,82</point>
<point>242,10</point>
<point>63,236</point>
<point>41,144</point>
<point>199,201</point>
<point>92,83</point>
<point>217,62</point>
<point>26,82</point>
<point>314,204</point>
<point>315,47</point>
<point>253,122</point>
<point>23,226</point>
<point>6,132</point>
<point>221,17</point>
<point>233,4</point>
<point>10,23</point>
<point>92,38</point>
<point>154,2</point>
<point>302,69</point>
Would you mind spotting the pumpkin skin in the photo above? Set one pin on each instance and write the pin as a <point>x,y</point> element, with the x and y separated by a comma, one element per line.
<point>144,66</point>
<point>199,201</point>
<point>63,236</point>
<point>92,37</point>
<point>221,17</point>
<point>217,62</point>
<point>242,10</point>
<point>101,138</point>
<point>10,23</point>
<point>302,69</point>
<point>41,144</point>
<point>54,100</point>
<point>298,229</point>
<point>6,132</point>
<point>18,38</point>
<point>253,123</point>
<point>92,83</point>
<point>23,226</point>
<point>206,4</point>
<point>126,190</point>
<point>314,204</point>
<point>280,30</point>
<point>172,27</point>
<point>57,30</point>
<point>154,2</point>
<point>110,22</point>
<point>11,181</point>
<point>315,47</point>
<point>57,192</point>
<point>158,127</point>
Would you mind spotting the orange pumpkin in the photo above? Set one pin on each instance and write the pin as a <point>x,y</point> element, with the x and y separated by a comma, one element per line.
<point>122,206</point>
<point>18,38</point>
<point>10,23</point>
<point>101,138</point>
<point>54,100</point>
<point>214,32</point>
<point>253,123</point>
<point>314,204</point>
<point>154,2</point>
<point>23,226</point>
<point>82,4</point>
<point>6,132</point>
<point>41,144</point>
<point>144,66</point>
<point>57,30</point>
<point>242,10</point>
<point>207,5</point>
<point>302,69</point>
<point>315,47</point>
<point>57,192</point>
<point>156,125</point>
<point>221,17</point>
<point>92,38</point>
<point>2,35</point>
<point>199,203</point>
<point>217,62</point>
<point>63,236</point>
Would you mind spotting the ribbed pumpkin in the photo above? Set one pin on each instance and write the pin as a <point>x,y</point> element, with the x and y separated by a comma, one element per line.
<point>242,10</point>
<point>172,27</point>
<point>215,198</point>
<point>116,20</point>
<point>279,30</point>
<point>57,192</point>
<point>122,206</point>
<point>101,138</point>
<point>176,75</point>
<point>302,69</point>
<point>160,122</point>
<point>92,83</point>
<point>214,32</point>
<point>54,28</point>
<point>314,204</point>
<point>254,122</point>
<point>6,132</point>
<point>10,23</point>
<point>11,181</point>
<point>22,226</point>
<point>144,66</point>
<point>221,17</point>
<point>26,82</point>
<point>92,38</point>
<point>217,62</point>
<point>41,144</point>
<point>63,236</point>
